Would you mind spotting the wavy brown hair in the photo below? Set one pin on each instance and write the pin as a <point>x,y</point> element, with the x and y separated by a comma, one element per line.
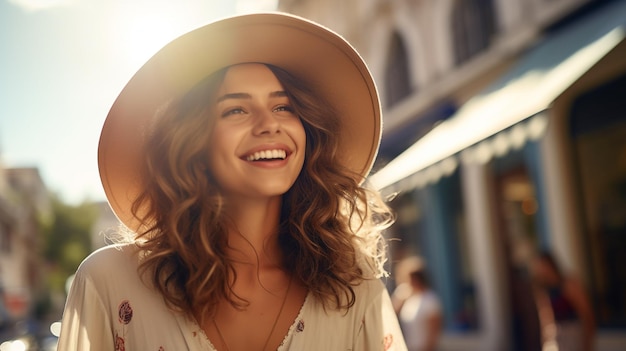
<point>330,226</point>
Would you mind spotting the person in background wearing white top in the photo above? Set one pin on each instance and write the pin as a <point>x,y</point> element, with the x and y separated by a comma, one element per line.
<point>420,314</point>
<point>236,158</point>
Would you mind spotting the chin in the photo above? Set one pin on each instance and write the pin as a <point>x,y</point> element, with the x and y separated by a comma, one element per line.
<point>276,186</point>
<point>278,191</point>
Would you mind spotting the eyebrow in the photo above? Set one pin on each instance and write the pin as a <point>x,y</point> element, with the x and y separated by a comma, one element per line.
<point>279,93</point>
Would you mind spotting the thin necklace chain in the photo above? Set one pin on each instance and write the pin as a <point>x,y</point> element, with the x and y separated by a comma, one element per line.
<point>280,311</point>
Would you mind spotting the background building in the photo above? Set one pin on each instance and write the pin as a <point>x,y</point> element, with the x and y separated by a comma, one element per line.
<point>24,205</point>
<point>504,134</point>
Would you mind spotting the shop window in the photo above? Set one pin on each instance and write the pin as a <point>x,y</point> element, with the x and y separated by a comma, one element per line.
<point>518,205</point>
<point>431,224</point>
<point>598,129</point>
<point>518,210</point>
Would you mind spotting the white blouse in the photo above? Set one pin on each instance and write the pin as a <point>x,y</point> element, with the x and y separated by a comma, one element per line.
<point>110,308</point>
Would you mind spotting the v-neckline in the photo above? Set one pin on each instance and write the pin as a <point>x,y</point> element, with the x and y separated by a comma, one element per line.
<point>205,342</point>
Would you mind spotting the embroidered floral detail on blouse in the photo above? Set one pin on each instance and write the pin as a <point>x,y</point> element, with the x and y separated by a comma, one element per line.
<point>300,326</point>
<point>119,343</point>
<point>388,341</point>
<point>125,312</point>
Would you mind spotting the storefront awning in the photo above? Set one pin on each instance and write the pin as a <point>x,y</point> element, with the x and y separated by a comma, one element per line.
<point>499,118</point>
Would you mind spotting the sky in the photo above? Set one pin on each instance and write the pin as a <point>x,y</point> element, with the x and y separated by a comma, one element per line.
<point>62,64</point>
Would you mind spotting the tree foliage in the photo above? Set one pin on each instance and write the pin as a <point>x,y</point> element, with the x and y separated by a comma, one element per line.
<point>67,239</point>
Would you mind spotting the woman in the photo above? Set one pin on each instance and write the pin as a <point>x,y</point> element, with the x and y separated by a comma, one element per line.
<point>418,308</point>
<point>565,313</point>
<point>250,228</point>
<point>420,315</point>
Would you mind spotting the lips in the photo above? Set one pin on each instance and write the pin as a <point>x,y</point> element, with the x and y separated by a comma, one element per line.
<point>267,155</point>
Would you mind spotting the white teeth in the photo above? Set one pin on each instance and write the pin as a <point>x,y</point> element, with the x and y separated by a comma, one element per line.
<point>267,155</point>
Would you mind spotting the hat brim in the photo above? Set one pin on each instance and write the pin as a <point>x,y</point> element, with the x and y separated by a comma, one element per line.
<point>321,58</point>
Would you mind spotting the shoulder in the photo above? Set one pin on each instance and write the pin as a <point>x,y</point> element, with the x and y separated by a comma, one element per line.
<point>111,256</point>
<point>112,275</point>
<point>110,264</point>
<point>431,295</point>
<point>432,301</point>
<point>574,290</point>
<point>366,294</point>
<point>370,290</point>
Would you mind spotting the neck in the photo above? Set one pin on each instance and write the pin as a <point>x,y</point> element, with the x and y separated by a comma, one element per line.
<point>253,233</point>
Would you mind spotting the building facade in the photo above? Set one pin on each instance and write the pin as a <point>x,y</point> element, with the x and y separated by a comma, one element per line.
<point>24,204</point>
<point>504,135</point>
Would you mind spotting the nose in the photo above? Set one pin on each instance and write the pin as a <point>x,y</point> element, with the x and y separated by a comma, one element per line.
<point>266,123</point>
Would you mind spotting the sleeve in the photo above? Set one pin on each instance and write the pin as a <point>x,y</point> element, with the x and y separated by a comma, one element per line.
<point>430,304</point>
<point>86,323</point>
<point>380,329</point>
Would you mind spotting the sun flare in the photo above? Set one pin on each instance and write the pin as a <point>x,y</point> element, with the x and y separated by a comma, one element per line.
<point>146,35</point>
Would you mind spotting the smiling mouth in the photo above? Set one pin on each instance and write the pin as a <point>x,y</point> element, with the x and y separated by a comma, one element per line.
<point>267,155</point>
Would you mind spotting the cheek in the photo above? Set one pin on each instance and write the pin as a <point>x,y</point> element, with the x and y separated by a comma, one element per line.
<point>299,135</point>
<point>218,146</point>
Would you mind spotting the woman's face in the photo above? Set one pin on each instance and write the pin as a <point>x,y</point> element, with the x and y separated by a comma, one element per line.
<point>257,144</point>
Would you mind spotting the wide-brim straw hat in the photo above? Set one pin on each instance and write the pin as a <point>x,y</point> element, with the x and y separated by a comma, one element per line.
<point>326,62</point>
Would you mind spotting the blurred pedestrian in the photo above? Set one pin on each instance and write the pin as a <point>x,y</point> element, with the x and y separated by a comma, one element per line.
<point>565,313</point>
<point>236,157</point>
<point>419,311</point>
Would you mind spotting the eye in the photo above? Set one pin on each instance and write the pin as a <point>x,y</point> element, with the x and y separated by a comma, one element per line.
<point>284,108</point>
<point>233,111</point>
